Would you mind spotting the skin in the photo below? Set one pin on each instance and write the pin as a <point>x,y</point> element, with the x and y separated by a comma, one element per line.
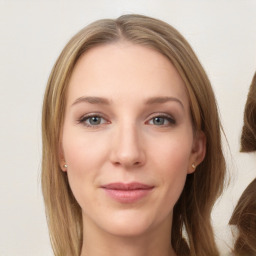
<point>141,131</point>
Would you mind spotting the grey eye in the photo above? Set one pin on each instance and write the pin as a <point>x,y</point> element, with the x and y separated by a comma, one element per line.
<point>94,120</point>
<point>159,120</point>
<point>162,121</point>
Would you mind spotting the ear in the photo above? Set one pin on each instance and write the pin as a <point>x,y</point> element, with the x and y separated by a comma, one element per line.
<point>62,161</point>
<point>198,151</point>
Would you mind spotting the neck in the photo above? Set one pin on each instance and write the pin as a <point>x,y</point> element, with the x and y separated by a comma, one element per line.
<point>154,242</point>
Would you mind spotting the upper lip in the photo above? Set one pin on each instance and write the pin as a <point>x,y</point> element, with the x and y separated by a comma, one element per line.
<point>127,186</point>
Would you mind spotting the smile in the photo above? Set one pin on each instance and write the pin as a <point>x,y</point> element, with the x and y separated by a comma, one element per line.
<point>127,193</point>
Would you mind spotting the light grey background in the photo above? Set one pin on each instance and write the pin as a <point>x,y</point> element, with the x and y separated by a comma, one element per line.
<point>32,34</point>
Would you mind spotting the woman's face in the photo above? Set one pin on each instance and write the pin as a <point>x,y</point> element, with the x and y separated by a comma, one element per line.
<point>127,139</point>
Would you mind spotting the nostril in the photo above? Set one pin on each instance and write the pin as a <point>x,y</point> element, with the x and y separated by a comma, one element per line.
<point>119,163</point>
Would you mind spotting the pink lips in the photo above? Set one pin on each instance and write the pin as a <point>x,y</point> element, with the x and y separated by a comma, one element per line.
<point>127,193</point>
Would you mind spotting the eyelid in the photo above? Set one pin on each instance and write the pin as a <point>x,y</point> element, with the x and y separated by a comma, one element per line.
<point>170,118</point>
<point>85,117</point>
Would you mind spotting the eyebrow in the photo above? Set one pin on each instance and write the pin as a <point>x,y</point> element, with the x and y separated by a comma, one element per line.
<point>162,100</point>
<point>104,101</point>
<point>91,100</point>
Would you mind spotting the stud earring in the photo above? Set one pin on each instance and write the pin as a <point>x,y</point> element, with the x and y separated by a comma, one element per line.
<point>193,166</point>
<point>65,166</point>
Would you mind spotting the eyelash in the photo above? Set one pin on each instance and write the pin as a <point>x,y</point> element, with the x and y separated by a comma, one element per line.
<point>171,121</point>
<point>85,118</point>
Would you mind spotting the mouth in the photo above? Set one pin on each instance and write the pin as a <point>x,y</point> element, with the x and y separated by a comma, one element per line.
<point>127,192</point>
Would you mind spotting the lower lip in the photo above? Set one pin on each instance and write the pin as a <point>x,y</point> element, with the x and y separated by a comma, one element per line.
<point>127,196</point>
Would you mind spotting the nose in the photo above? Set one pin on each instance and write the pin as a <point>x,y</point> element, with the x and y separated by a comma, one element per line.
<point>127,147</point>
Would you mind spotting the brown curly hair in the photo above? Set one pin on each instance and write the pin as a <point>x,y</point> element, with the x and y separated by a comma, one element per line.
<point>244,215</point>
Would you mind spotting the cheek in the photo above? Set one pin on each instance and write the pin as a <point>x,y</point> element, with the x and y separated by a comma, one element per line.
<point>174,172</point>
<point>173,178</point>
<point>173,153</point>
<point>84,157</point>
<point>82,151</point>
<point>172,159</point>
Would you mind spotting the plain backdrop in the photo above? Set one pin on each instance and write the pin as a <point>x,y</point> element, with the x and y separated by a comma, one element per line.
<point>32,34</point>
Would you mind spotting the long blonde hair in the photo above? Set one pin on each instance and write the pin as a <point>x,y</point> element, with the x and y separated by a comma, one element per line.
<point>193,209</point>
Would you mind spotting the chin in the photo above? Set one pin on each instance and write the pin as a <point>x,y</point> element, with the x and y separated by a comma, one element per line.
<point>128,230</point>
<point>129,225</point>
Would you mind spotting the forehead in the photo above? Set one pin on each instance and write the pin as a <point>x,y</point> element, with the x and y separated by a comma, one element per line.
<point>123,69</point>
